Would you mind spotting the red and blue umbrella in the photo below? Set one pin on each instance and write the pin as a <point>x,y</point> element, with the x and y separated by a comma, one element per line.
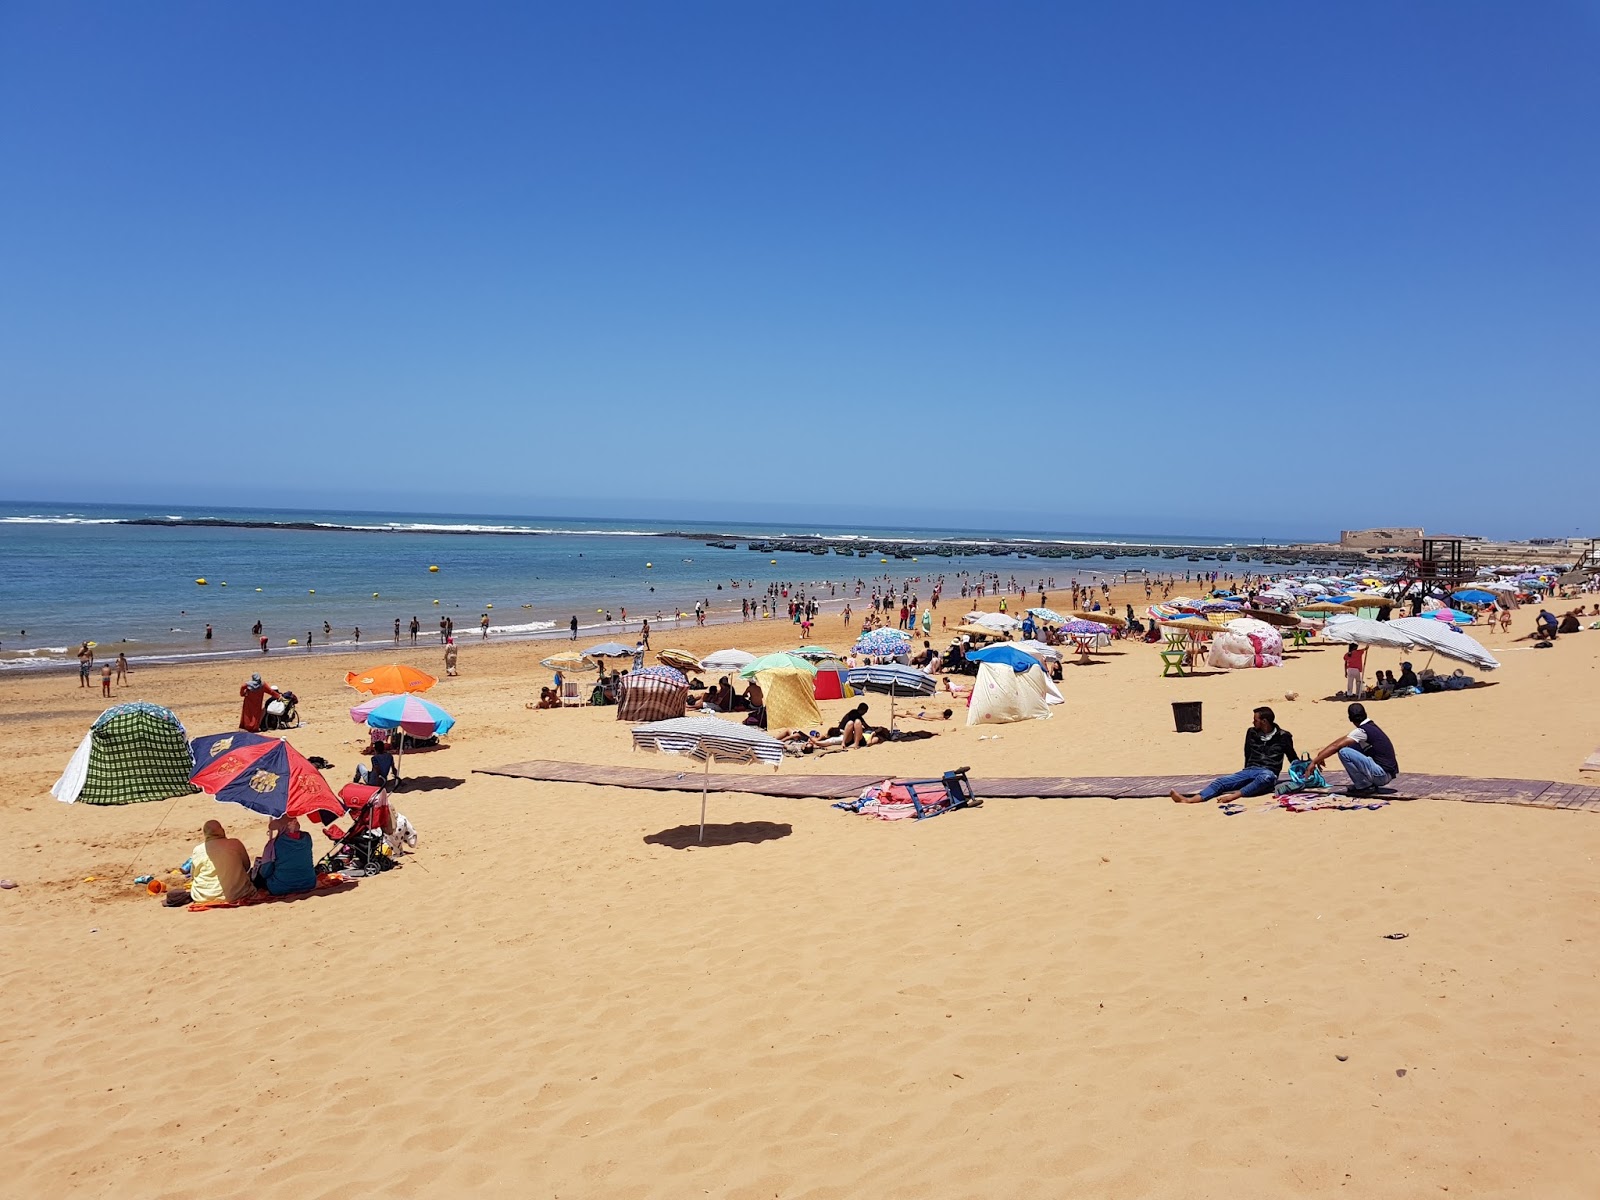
<point>410,713</point>
<point>264,774</point>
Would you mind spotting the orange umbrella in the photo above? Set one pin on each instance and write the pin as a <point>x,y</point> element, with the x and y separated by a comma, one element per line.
<point>391,679</point>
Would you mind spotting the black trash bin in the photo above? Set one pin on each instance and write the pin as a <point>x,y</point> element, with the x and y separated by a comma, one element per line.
<point>1186,715</point>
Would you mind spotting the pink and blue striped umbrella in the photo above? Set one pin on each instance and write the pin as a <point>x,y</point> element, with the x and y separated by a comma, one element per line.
<point>410,713</point>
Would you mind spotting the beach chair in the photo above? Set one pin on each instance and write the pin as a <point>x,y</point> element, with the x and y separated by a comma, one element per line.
<point>572,694</point>
<point>930,797</point>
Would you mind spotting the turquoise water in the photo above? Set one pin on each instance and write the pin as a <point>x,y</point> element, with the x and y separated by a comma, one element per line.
<point>73,573</point>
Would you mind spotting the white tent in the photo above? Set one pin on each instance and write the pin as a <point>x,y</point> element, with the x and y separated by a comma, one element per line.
<point>1001,694</point>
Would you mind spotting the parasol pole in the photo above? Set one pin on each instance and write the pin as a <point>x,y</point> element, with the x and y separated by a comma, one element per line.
<point>705,784</point>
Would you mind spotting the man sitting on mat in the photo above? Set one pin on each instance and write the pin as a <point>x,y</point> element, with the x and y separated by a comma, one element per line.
<point>1265,748</point>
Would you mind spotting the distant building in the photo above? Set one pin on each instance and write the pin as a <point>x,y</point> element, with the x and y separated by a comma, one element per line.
<point>1380,539</point>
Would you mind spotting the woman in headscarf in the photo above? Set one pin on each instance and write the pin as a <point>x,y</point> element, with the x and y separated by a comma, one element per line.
<point>255,695</point>
<point>219,869</point>
<point>288,862</point>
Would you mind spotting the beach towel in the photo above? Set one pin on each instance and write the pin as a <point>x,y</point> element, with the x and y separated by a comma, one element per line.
<point>889,801</point>
<point>325,883</point>
<point>1328,801</point>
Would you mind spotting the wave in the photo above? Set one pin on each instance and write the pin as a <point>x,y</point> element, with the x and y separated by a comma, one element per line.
<point>60,520</point>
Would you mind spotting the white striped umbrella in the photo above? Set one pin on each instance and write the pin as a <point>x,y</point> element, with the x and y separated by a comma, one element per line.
<point>707,738</point>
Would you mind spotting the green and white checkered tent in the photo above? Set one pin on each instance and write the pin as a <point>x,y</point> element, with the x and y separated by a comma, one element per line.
<point>133,753</point>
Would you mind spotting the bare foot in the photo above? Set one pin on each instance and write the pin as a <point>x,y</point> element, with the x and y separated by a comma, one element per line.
<point>1180,798</point>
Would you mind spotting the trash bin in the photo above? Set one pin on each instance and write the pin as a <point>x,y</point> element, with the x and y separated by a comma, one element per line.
<point>1186,715</point>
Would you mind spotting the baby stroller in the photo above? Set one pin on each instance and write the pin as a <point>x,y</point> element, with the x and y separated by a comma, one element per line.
<point>281,713</point>
<point>367,846</point>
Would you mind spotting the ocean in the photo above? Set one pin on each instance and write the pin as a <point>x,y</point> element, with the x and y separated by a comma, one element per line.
<point>70,573</point>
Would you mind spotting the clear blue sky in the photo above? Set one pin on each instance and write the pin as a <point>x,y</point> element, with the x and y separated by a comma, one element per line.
<point>1190,267</point>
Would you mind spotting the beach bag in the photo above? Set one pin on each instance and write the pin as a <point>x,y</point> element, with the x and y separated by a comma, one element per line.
<point>1303,775</point>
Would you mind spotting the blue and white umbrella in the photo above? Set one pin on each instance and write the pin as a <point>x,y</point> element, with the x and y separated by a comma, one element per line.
<point>1047,614</point>
<point>893,678</point>
<point>707,738</point>
<point>883,643</point>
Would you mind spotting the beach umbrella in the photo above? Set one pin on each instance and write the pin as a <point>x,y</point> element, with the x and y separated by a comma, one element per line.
<point>410,714</point>
<point>265,774</point>
<point>569,661</point>
<point>1047,614</point>
<point>727,660</point>
<point>1004,622</point>
<point>896,680</point>
<point>776,662</point>
<point>610,650</point>
<point>982,631</point>
<point>1103,618</point>
<point>1039,650</point>
<point>1007,655</point>
<point>1326,606</point>
<point>670,674</point>
<point>706,738</point>
<point>682,660</point>
<point>814,653</point>
<point>1281,620</point>
<point>391,679</point>
<point>884,643</point>
<point>1473,596</point>
<point>1363,631</point>
<point>1451,615</point>
<point>1191,624</point>
<point>1083,628</point>
<point>1444,638</point>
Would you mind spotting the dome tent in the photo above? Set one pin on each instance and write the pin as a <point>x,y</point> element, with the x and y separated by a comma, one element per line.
<point>133,753</point>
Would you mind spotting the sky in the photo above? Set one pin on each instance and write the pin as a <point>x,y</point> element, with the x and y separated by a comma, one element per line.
<point>1257,268</point>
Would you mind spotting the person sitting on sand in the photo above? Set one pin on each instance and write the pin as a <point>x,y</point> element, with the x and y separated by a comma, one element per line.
<point>382,773</point>
<point>287,864</point>
<point>1569,624</point>
<point>1407,678</point>
<point>219,869</point>
<point>1265,748</point>
<point>1366,754</point>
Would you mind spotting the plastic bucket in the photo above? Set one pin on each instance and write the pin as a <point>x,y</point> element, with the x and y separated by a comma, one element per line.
<point>1186,715</point>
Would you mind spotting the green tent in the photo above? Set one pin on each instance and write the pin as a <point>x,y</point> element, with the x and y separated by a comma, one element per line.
<point>133,753</point>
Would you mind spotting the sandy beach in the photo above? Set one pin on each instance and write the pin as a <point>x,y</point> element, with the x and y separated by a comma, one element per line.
<point>1114,998</point>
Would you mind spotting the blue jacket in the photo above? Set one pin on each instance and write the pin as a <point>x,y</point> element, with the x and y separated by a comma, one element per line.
<point>292,868</point>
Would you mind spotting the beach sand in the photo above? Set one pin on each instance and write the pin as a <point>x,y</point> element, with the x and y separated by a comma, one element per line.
<point>1110,998</point>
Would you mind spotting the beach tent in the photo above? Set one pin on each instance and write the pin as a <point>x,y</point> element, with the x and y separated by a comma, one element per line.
<point>1001,694</point>
<point>830,684</point>
<point>1008,655</point>
<point>790,700</point>
<point>132,753</point>
<point>1246,642</point>
<point>652,694</point>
